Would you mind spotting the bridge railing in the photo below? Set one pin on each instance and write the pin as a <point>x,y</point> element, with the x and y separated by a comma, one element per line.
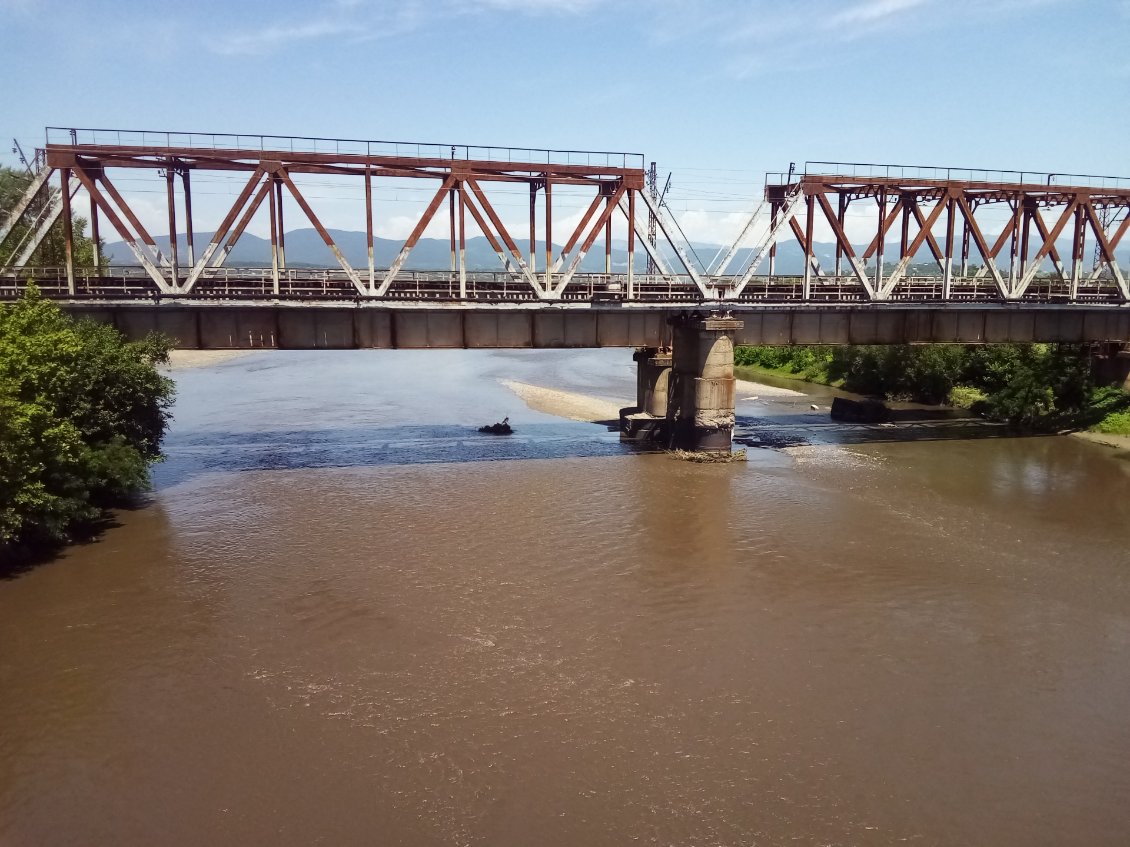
<point>339,146</point>
<point>325,284</point>
<point>910,173</point>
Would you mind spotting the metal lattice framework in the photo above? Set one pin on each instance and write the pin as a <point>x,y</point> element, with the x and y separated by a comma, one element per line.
<point>945,211</point>
<point>994,237</point>
<point>463,177</point>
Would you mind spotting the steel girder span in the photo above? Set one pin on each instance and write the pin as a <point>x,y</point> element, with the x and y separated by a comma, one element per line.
<point>993,237</point>
<point>462,179</point>
<point>987,236</point>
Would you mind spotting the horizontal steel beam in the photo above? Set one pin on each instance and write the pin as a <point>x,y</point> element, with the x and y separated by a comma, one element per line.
<point>421,326</point>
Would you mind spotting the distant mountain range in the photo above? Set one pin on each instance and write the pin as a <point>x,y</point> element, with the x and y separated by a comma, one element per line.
<point>305,248</point>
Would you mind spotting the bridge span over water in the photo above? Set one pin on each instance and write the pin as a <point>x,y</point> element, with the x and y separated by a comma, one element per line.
<point>998,270</point>
<point>1012,256</point>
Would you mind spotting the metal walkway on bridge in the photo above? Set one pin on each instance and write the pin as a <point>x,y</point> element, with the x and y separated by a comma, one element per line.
<point>943,211</point>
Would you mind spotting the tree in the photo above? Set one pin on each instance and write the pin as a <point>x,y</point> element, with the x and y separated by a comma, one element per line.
<point>82,414</point>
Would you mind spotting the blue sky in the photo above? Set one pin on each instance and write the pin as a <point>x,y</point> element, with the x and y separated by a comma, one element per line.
<point>716,91</point>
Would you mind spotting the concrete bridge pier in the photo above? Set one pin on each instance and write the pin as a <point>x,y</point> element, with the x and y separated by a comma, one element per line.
<point>1110,365</point>
<point>685,396</point>
<point>701,401</point>
<point>647,420</point>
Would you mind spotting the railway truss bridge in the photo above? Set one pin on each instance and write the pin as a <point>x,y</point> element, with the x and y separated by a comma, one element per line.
<point>993,237</point>
<point>1010,257</point>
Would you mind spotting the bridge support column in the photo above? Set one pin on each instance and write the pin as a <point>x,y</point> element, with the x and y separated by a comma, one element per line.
<point>701,402</point>
<point>647,420</point>
<point>1110,365</point>
<point>685,396</point>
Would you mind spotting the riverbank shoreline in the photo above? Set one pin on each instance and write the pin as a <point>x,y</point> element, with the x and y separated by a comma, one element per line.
<point>180,360</point>
<point>1115,442</point>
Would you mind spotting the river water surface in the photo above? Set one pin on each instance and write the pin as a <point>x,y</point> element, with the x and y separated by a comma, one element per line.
<point>344,617</point>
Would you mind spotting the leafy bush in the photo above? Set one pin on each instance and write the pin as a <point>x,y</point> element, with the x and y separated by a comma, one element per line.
<point>809,361</point>
<point>1116,423</point>
<point>965,396</point>
<point>82,414</point>
<point>1031,386</point>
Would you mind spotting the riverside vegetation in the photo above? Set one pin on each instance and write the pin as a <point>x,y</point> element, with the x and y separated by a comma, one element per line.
<point>1033,387</point>
<point>82,414</point>
<point>82,410</point>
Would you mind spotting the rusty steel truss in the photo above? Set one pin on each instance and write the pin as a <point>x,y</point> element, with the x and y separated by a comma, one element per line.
<point>462,178</point>
<point>991,237</point>
<point>944,211</point>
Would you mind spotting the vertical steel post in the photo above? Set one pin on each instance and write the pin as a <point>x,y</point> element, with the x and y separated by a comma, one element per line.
<point>282,227</point>
<point>947,269</point>
<point>451,215</point>
<point>533,226</point>
<point>965,233</point>
<point>273,203</point>
<point>1027,226</point>
<point>881,236</point>
<point>608,236</point>
<point>187,186</point>
<point>907,201</point>
<point>548,232</point>
<point>839,247</point>
<point>1078,244</point>
<point>1014,246</point>
<point>774,213</point>
<point>808,253</point>
<point>631,243</point>
<point>462,244</point>
<point>68,230</point>
<point>369,226</point>
<point>174,265</point>
<point>95,239</point>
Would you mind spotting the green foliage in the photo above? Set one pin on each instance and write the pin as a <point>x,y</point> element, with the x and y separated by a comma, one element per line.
<point>810,362</point>
<point>923,373</point>
<point>1031,386</point>
<point>1116,423</point>
<point>965,397</point>
<point>82,414</point>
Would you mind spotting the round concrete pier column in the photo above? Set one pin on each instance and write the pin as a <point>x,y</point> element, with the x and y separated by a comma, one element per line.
<point>647,420</point>
<point>653,373</point>
<point>702,391</point>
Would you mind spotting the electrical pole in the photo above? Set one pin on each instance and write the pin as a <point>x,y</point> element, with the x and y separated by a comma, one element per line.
<point>653,187</point>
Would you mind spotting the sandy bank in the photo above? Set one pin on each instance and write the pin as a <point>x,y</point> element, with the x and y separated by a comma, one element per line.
<point>565,404</point>
<point>179,360</point>
<point>1119,442</point>
<point>582,407</point>
<point>744,389</point>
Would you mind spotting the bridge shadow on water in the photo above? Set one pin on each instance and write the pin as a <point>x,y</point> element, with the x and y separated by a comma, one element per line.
<point>210,451</point>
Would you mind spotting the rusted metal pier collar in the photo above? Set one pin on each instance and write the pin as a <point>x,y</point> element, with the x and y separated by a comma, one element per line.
<point>710,323</point>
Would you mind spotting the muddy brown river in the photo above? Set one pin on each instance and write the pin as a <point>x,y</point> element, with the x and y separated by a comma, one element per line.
<point>345,618</point>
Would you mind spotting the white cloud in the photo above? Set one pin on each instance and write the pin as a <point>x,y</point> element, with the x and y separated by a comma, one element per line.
<point>872,11</point>
<point>364,20</point>
<point>269,39</point>
<point>571,7</point>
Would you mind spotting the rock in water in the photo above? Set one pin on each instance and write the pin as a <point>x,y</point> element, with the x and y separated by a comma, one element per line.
<point>498,428</point>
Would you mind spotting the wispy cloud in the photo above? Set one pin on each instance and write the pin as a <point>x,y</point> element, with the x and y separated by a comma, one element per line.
<point>873,11</point>
<point>766,36</point>
<point>571,7</point>
<point>365,20</point>
<point>261,41</point>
